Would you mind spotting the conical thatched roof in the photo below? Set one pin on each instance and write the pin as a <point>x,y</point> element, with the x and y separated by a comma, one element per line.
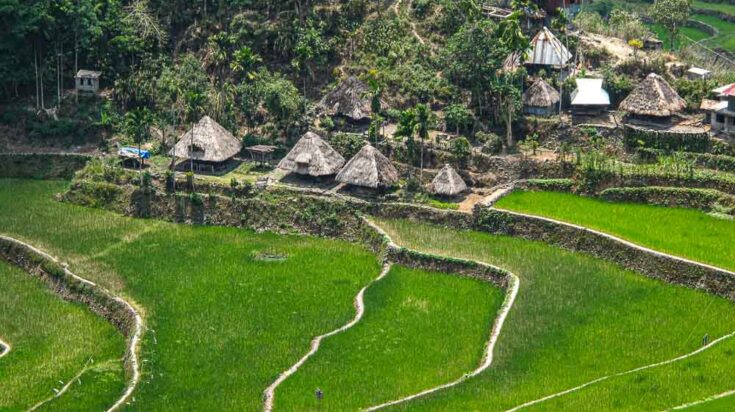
<point>312,156</point>
<point>448,182</point>
<point>653,97</point>
<point>541,94</point>
<point>211,143</point>
<point>369,168</point>
<point>350,99</point>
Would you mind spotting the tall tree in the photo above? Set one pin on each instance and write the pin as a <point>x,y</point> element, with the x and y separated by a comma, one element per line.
<point>672,14</point>
<point>422,131</point>
<point>137,125</point>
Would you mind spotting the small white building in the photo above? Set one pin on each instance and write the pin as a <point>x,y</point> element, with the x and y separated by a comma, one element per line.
<point>589,99</point>
<point>87,81</point>
<point>697,73</point>
<point>721,113</point>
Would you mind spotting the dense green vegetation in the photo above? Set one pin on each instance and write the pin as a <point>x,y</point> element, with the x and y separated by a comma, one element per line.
<point>224,317</point>
<point>421,329</point>
<point>682,232</point>
<point>52,341</point>
<point>575,319</point>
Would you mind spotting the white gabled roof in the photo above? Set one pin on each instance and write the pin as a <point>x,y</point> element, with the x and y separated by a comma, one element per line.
<point>699,71</point>
<point>590,93</point>
<point>88,74</point>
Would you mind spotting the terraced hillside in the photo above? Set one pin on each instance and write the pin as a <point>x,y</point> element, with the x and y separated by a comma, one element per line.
<point>576,320</point>
<point>682,232</point>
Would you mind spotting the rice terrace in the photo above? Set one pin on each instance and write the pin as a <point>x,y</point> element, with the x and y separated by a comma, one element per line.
<point>424,205</point>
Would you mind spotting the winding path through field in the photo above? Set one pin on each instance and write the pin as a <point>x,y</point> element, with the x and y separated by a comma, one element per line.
<point>270,392</point>
<point>639,369</point>
<point>487,359</point>
<point>134,341</point>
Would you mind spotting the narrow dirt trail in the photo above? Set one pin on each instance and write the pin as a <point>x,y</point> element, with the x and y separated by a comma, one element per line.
<point>133,342</point>
<point>487,359</point>
<point>359,303</point>
<point>414,30</point>
<point>629,372</point>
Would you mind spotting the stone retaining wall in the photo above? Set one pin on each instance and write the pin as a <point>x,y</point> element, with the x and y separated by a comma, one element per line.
<point>330,217</point>
<point>648,262</point>
<point>41,166</point>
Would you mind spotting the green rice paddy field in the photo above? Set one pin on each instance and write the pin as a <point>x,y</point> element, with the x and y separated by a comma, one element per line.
<point>224,319</point>
<point>223,322</point>
<point>577,319</point>
<point>682,232</point>
<point>51,342</point>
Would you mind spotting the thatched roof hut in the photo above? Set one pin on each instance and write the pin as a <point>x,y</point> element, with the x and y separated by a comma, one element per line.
<point>350,99</point>
<point>312,156</point>
<point>369,168</point>
<point>448,182</point>
<point>207,141</point>
<point>541,99</point>
<point>653,98</point>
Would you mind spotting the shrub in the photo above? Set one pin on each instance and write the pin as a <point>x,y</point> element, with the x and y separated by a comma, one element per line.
<point>461,149</point>
<point>347,144</point>
<point>491,142</point>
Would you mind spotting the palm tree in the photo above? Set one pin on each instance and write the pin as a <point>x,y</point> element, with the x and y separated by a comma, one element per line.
<point>422,130</point>
<point>514,41</point>
<point>194,107</point>
<point>244,61</point>
<point>137,124</point>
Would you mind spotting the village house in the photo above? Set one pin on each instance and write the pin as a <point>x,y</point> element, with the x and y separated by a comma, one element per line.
<point>653,103</point>
<point>87,81</point>
<point>697,73</point>
<point>350,101</point>
<point>448,183</point>
<point>720,114</point>
<point>541,99</point>
<point>547,52</point>
<point>312,156</point>
<point>207,145</point>
<point>589,99</point>
<point>369,168</point>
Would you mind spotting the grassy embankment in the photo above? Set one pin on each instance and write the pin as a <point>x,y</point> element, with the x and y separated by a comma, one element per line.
<point>52,341</point>
<point>410,339</point>
<point>227,310</point>
<point>682,232</point>
<point>576,319</point>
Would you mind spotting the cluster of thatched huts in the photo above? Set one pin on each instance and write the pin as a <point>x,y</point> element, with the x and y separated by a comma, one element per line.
<point>652,103</point>
<point>369,168</point>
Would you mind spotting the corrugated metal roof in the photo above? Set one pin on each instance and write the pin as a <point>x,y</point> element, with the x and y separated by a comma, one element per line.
<point>590,93</point>
<point>723,89</point>
<point>547,50</point>
<point>88,73</point>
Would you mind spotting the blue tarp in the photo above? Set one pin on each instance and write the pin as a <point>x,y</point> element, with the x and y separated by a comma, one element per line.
<point>134,152</point>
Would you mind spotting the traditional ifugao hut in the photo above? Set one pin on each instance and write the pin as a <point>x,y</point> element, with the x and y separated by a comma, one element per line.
<point>541,99</point>
<point>207,144</point>
<point>350,100</point>
<point>654,101</point>
<point>368,168</point>
<point>448,182</point>
<point>312,156</point>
